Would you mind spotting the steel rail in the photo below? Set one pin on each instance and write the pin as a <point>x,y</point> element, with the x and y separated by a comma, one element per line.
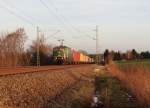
<point>16,71</point>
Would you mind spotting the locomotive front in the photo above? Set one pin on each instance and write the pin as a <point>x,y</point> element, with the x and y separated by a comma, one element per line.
<point>58,55</point>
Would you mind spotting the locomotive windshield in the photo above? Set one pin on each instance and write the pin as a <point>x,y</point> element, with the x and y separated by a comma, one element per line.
<point>58,53</point>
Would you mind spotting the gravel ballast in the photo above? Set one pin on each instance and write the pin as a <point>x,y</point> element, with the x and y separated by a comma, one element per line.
<point>36,90</point>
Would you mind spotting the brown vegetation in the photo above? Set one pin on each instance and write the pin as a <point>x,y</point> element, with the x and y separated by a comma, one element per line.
<point>137,79</point>
<point>12,48</point>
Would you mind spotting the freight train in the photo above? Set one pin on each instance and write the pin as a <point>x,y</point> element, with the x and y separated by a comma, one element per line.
<point>66,55</point>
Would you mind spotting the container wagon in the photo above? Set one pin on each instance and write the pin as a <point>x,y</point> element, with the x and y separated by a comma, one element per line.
<point>76,57</point>
<point>65,55</point>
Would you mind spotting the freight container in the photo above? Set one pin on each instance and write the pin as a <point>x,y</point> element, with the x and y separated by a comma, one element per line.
<point>85,59</point>
<point>88,59</point>
<point>68,54</point>
<point>76,56</point>
<point>92,60</point>
<point>81,57</point>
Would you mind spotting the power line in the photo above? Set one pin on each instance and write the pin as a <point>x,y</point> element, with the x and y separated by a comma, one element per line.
<point>31,18</point>
<point>17,15</point>
<point>56,16</point>
<point>52,35</point>
<point>71,25</point>
<point>21,12</point>
<point>49,10</point>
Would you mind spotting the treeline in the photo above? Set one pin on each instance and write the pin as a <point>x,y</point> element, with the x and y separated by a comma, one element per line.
<point>129,55</point>
<point>13,52</point>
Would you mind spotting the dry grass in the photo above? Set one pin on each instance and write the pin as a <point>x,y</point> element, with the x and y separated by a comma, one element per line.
<point>78,96</point>
<point>137,79</point>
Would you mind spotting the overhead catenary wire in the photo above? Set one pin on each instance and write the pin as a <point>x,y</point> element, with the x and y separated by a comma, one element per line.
<point>68,22</point>
<point>19,11</point>
<point>22,17</point>
<point>53,35</point>
<point>17,15</point>
<point>29,18</point>
<point>56,16</point>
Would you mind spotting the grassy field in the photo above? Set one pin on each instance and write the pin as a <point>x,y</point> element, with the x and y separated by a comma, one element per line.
<point>135,75</point>
<point>134,62</point>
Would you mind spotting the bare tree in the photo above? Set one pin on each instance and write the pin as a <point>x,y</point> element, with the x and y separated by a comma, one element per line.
<point>12,48</point>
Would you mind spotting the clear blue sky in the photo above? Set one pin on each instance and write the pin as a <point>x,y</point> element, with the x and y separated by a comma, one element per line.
<point>123,24</point>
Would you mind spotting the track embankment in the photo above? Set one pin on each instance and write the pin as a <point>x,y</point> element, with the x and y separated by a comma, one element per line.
<point>44,88</point>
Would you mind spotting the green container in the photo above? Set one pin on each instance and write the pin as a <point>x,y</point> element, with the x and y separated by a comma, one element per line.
<point>68,54</point>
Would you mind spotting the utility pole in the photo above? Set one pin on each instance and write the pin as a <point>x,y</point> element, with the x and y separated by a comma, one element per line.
<point>97,45</point>
<point>61,42</point>
<point>38,47</point>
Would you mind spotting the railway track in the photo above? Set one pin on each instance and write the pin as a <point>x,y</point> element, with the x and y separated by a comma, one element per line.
<point>4,71</point>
